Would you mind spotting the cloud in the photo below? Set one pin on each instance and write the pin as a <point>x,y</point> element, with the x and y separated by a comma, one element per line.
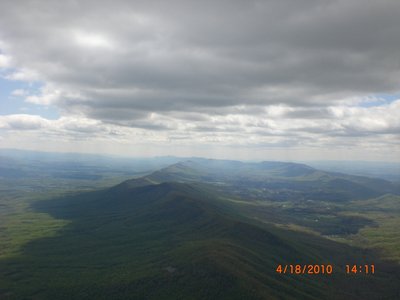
<point>211,55</point>
<point>47,96</point>
<point>279,122</point>
<point>215,71</point>
<point>22,122</point>
<point>91,40</point>
<point>19,93</point>
<point>5,61</point>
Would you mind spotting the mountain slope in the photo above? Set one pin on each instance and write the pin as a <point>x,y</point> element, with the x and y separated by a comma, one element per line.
<point>175,241</point>
<point>284,180</point>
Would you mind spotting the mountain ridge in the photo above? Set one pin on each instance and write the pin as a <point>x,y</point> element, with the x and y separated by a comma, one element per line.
<point>309,182</point>
<point>178,234</point>
<point>210,251</point>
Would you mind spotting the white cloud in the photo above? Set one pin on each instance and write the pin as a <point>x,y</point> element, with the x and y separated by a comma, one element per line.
<point>80,125</point>
<point>46,98</point>
<point>91,40</point>
<point>23,75</point>
<point>5,61</point>
<point>22,122</point>
<point>19,92</point>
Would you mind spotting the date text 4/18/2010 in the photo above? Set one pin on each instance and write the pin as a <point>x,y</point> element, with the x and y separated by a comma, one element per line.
<point>328,269</point>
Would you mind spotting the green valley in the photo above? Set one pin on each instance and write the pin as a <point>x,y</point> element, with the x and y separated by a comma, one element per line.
<point>203,229</point>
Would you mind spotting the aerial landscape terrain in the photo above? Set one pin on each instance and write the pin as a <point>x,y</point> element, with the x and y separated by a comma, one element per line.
<point>199,150</point>
<point>91,227</point>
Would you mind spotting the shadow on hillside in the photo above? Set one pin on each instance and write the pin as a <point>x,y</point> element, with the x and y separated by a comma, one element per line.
<point>120,244</point>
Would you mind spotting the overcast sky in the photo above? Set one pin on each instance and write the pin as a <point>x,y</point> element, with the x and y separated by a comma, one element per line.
<point>274,79</point>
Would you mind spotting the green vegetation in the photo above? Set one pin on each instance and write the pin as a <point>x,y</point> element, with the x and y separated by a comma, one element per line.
<point>19,223</point>
<point>385,236</point>
<point>197,231</point>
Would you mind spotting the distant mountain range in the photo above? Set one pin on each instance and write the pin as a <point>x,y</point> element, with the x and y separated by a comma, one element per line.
<point>197,229</point>
<point>177,241</point>
<point>274,180</point>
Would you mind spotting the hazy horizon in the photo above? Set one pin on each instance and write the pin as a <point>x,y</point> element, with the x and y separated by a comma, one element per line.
<point>127,156</point>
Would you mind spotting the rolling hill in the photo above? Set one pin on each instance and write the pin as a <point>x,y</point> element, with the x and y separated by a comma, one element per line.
<point>178,240</point>
<point>284,180</point>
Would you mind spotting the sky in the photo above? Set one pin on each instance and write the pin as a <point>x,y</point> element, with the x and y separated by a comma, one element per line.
<point>274,79</point>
